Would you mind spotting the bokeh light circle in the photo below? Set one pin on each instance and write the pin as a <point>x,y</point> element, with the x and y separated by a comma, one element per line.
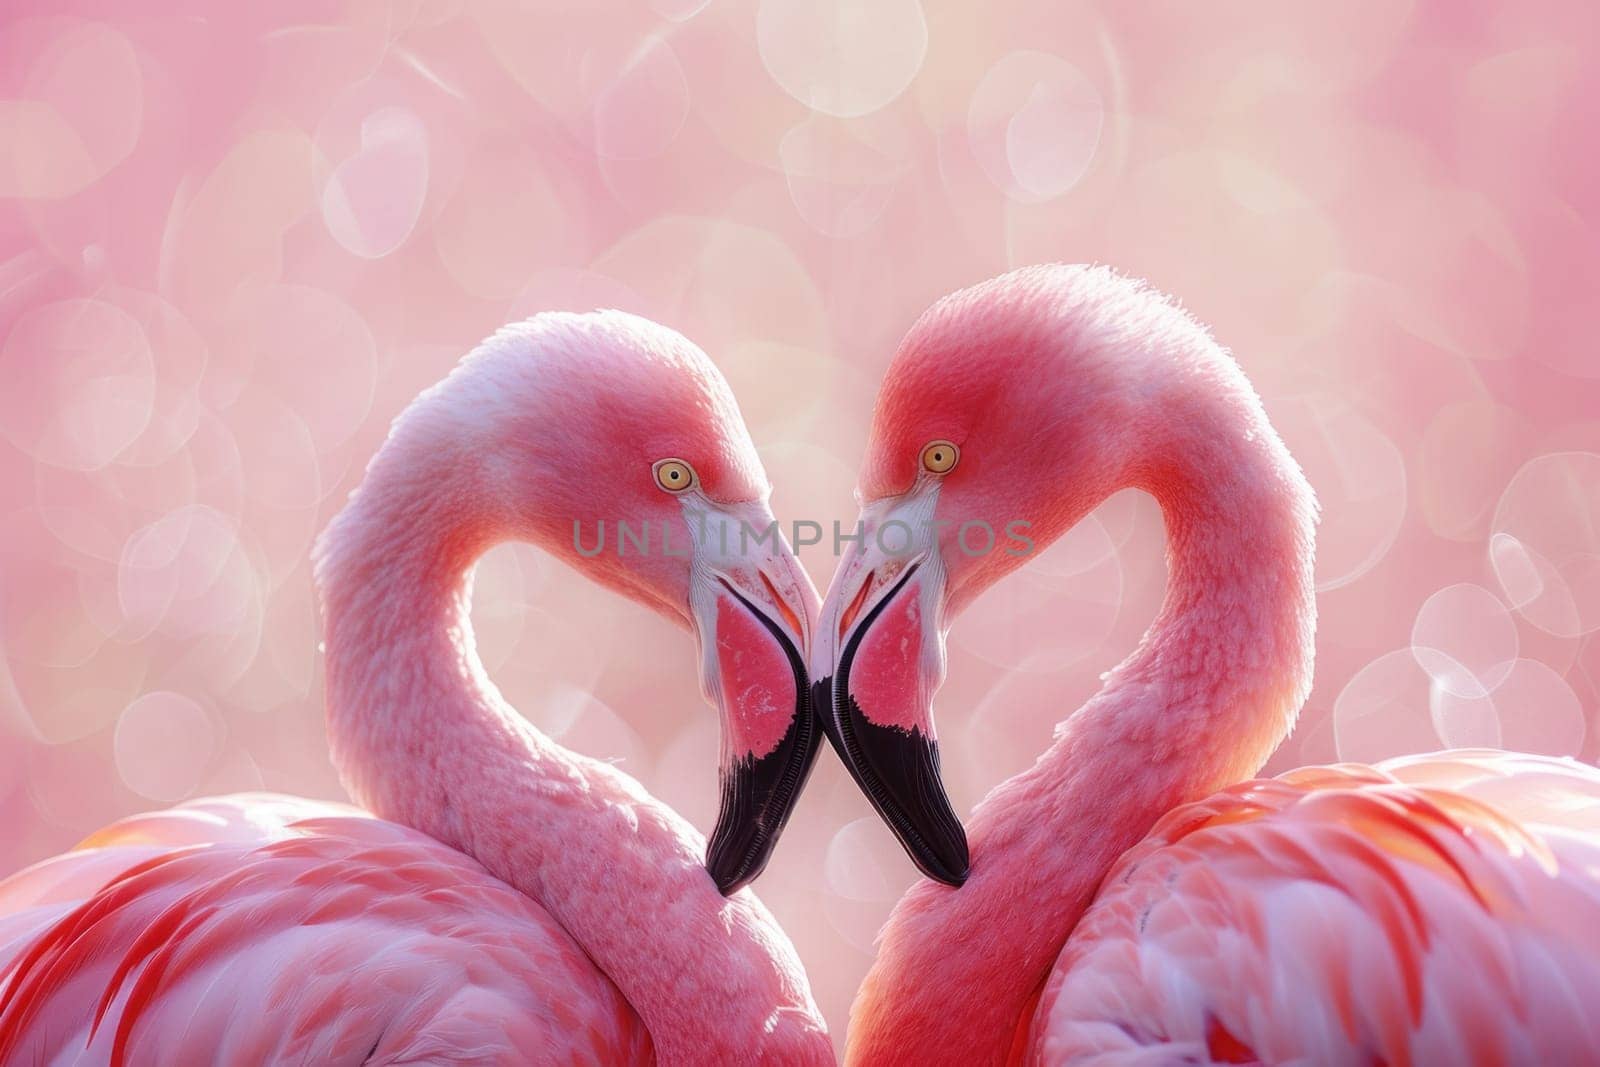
<point>1466,640</point>
<point>309,350</point>
<point>1545,545</point>
<point>841,175</point>
<point>164,743</point>
<point>1034,123</point>
<point>580,720</point>
<point>187,575</point>
<point>1385,710</point>
<point>81,109</point>
<point>863,872</point>
<point>505,219</point>
<point>840,57</point>
<point>373,198</point>
<point>79,383</point>
<point>1531,709</point>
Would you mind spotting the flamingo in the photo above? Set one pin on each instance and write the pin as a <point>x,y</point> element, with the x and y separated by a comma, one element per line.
<point>1135,897</point>
<point>502,899</point>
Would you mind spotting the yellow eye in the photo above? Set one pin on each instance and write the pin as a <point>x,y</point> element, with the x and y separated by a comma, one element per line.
<point>939,457</point>
<point>674,475</point>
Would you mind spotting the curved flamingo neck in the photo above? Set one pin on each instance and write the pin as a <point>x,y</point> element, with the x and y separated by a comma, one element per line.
<point>420,736</point>
<point>1212,689</point>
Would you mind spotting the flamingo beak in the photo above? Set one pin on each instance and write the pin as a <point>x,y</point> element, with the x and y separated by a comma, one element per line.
<point>753,611</point>
<point>878,657</point>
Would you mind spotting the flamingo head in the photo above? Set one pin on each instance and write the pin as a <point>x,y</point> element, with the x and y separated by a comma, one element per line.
<point>616,444</point>
<point>1003,419</point>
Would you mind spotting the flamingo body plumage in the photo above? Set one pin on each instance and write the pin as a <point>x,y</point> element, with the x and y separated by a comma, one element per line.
<point>1125,900</point>
<point>1430,909</point>
<point>271,929</point>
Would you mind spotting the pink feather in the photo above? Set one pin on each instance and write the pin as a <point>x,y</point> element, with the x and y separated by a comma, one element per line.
<point>263,929</point>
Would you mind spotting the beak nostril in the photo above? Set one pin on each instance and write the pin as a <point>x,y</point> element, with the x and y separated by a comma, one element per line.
<point>789,617</point>
<point>848,617</point>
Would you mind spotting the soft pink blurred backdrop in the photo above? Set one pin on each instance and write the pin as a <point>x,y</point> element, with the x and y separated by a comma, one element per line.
<point>236,239</point>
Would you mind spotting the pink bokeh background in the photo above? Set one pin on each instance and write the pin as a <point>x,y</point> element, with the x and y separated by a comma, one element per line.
<point>236,239</point>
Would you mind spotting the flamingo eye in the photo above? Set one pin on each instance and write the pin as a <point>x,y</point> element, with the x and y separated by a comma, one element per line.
<point>940,457</point>
<point>674,475</point>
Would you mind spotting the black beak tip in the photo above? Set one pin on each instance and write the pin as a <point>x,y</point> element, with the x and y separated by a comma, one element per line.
<point>948,861</point>
<point>757,798</point>
<point>898,770</point>
<point>733,867</point>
